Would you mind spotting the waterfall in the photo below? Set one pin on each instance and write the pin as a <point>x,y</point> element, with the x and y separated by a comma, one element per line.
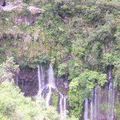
<point>51,84</point>
<point>96,103</point>
<point>110,102</point>
<point>92,105</point>
<point>51,78</point>
<point>40,81</point>
<point>110,94</point>
<point>96,99</point>
<point>63,106</point>
<point>91,108</point>
<point>45,90</point>
<point>86,117</point>
<point>48,97</point>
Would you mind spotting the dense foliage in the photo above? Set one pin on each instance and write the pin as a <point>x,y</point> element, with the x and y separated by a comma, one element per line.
<point>14,106</point>
<point>80,37</point>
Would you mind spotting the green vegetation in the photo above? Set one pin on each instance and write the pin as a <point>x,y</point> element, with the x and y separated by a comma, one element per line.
<point>80,37</point>
<point>13,105</point>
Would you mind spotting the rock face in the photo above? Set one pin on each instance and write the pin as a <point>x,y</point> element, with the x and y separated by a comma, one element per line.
<point>2,2</point>
<point>34,10</point>
<point>63,85</point>
<point>27,80</point>
<point>25,14</point>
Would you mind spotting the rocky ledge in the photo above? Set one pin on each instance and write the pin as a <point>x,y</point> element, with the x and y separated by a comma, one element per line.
<point>25,14</point>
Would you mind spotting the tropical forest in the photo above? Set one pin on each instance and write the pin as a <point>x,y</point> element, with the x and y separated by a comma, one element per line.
<point>59,59</point>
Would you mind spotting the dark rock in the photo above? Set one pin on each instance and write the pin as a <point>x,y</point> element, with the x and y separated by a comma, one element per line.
<point>2,3</point>
<point>28,81</point>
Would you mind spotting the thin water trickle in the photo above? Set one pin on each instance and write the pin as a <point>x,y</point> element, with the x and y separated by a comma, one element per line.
<point>94,107</point>
<point>91,110</point>
<point>51,84</point>
<point>48,97</point>
<point>95,103</point>
<point>61,104</point>
<point>40,81</point>
<point>110,95</point>
<point>51,78</point>
<point>63,107</point>
<point>86,117</point>
<point>111,102</point>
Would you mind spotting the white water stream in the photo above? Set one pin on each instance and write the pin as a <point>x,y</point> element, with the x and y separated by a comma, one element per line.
<point>50,86</point>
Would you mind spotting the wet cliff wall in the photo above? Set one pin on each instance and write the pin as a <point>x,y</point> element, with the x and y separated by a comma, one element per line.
<point>81,38</point>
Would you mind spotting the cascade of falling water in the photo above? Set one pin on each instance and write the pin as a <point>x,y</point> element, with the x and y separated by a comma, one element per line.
<point>95,104</point>
<point>51,78</point>
<point>110,102</point>
<point>60,104</point>
<point>51,84</point>
<point>40,80</point>
<point>86,117</point>
<point>63,106</point>
<point>91,108</point>
<point>110,94</point>
<point>113,103</point>
<point>48,97</point>
<point>99,102</point>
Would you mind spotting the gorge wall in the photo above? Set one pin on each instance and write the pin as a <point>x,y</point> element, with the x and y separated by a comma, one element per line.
<point>41,82</point>
<point>81,40</point>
